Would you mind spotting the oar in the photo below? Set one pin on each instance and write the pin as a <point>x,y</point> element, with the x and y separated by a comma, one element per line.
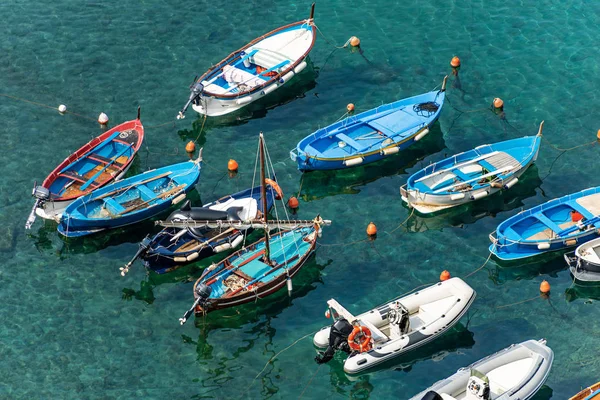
<point>214,224</point>
<point>132,185</point>
<point>97,174</point>
<point>573,228</point>
<point>173,191</point>
<point>189,312</point>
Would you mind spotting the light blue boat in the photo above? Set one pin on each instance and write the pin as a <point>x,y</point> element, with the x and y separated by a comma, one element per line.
<point>471,175</point>
<point>372,135</point>
<point>556,225</point>
<point>131,200</point>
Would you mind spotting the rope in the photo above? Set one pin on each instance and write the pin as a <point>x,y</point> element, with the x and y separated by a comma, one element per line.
<point>311,378</point>
<point>201,129</point>
<point>518,302</point>
<point>44,105</point>
<point>480,268</point>
<point>331,43</point>
<point>570,148</point>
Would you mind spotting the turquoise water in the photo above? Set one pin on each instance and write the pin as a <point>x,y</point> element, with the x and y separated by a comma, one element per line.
<point>72,327</point>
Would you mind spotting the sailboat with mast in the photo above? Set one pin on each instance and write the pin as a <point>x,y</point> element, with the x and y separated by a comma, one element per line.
<point>257,270</point>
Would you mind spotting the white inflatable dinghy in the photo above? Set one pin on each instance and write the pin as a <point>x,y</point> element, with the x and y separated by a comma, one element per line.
<point>394,328</point>
<point>515,373</point>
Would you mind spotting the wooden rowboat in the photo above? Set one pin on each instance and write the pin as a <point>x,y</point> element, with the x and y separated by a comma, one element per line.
<point>102,160</point>
<point>589,393</point>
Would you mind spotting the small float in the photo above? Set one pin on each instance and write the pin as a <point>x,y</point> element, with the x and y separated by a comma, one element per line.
<point>471,175</point>
<point>584,262</point>
<point>515,373</point>
<point>589,393</point>
<point>252,72</point>
<point>174,247</point>
<point>102,160</point>
<point>555,225</point>
<point>372,135</point>
<point>131,200</point>
<point>394,328</point>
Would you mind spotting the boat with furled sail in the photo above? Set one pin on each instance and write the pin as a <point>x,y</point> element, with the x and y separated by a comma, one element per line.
<point>259,269</point>
<point>252,72</point>
<point>102,160</point>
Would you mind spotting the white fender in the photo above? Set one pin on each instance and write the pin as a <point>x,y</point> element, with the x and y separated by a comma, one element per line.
<point>237,241</point>
<point>457,196</point>
<point>243,100</point>
<point>269,89</point>
<point>390,150</point>
<point>178,235</point>
<point>222,247</point>
<point>179,259</point>
<point>192,256</point>
<point>511,183</point>
<point>479,195</point>
<point>353,161</point>
<point>178,199</point>
<point>543,246</point>
<point>300,67</point>
<point>421,135</point>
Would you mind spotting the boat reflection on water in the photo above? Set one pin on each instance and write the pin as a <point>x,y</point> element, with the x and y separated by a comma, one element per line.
<point>588,292</point>
<point>320,184</point>
<point>472,212</point>
<point>549,264</point>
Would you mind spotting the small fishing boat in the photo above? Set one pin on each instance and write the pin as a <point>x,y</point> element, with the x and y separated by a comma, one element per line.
<point>584,262</point>
<point>252,72</point>
<point>589,393</point>
<point>259,269</point>
<point>471,175</point>
<point>131,200</point>
<point>173,247</point>
<point>372,135</point>
<point>555,225</point>
<point>394,328</point>
<point>515,373</point>
<point>102,160</point>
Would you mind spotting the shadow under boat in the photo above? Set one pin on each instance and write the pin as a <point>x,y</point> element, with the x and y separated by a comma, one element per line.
<point>470,213</point>
<point>549,264</point>
<point>295,89</point>
<point>587,291</point>
<point>457,338</point>
<point>320,184</point>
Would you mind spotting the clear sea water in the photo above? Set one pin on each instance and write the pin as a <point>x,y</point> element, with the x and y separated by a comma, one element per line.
<point>73,328</point>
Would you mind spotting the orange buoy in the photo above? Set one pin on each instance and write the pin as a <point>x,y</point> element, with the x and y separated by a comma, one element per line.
<point>190,147</point>
<point>354,41</point>
<point>455,62</point>
<point>598,135</point>
<point>371,229</point>
<point>498,103</point>
<point>545,287</point>
<point>350,108</point>
<point>444,276</point>
<point>293,203</point>
<point>232,165</point>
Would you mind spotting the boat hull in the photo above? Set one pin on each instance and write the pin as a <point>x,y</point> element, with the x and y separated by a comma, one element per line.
<point>584,262</point>
<point>428,202</point>
<point>498,367</point>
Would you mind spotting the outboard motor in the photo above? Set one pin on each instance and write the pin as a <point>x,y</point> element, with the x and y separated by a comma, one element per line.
<point>338,340</point>
<point>478,386</point>
<point>41,195</point>
<point>431,395</point>
<point>398,319</point>
<point>203,291</point>
<point>195,92</point>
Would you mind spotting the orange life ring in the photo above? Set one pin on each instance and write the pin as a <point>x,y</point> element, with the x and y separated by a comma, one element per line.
<point>365,342</point>
<point>275,187</point>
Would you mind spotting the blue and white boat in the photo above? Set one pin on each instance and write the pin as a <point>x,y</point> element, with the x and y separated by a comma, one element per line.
<point>173,247</point>
<point>471,175</point>
<point>252,72</point>
<point>372,135</point>
<point>131,200</point>
<point>555,225</point>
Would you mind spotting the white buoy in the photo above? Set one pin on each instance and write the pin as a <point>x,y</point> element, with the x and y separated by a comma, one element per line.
<point>62,109</point>
<point>102,119</point>
<point>289,286</point>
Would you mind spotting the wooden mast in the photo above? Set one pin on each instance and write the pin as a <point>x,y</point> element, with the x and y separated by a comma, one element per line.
<point>263,194</point>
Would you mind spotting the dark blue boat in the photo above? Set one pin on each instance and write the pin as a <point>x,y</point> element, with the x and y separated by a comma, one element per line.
<point>131,200</point>
<point>371,135</point>
<point>172,248</point>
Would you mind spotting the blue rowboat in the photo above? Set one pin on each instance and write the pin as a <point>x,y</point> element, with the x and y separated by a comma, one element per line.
<point>252,72</point>
<point>172,248</point>
<point>131,200</point>
<point>101,161</point>
<point>555,225</point>
<point>471,175</point>
<point>372,135</point>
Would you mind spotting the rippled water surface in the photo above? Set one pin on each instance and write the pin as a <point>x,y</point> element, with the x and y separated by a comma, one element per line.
<point>72,327</point>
